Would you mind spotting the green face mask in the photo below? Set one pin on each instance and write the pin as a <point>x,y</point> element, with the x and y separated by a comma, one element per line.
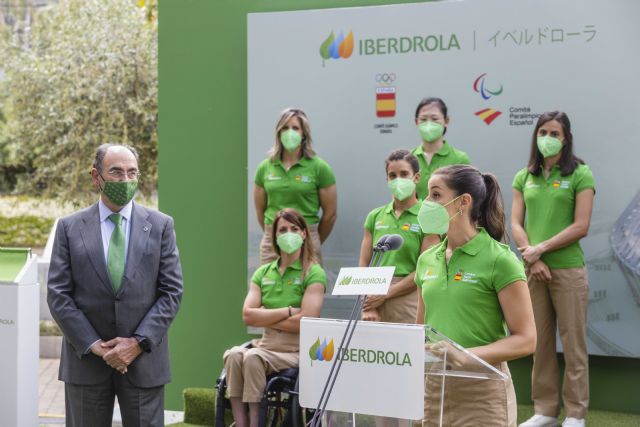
<point>289,242</point>
<point>431,131</point>
<point>548,145</point>
<point>434,218</point>
<point>290,139</point>
<point>402,188</point>
<point>120,192</point>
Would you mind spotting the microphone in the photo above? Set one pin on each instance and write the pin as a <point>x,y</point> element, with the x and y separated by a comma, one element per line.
<point>381,241</point>
<point>392,242</point>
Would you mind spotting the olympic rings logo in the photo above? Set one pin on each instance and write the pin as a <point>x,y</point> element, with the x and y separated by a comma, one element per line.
<point>386,78</point>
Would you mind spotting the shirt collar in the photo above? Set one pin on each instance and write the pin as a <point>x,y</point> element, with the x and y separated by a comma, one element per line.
<point>443,151</point>
<point>473,246</point>
<point>275,265</point>
<point>413,209</point>
<point>303,161</point>
<point>105,211</point>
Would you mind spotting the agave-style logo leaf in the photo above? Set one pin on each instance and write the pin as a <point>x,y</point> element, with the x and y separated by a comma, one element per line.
<point>346,280</point>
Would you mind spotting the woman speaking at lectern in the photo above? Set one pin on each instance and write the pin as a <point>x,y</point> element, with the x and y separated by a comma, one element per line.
<point>473,289</point>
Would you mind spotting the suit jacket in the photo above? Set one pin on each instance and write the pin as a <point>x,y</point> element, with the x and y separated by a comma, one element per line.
<point>82,300</point>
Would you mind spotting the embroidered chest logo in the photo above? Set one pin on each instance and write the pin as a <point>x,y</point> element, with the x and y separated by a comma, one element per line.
<point>266,281</point>
<point>532,185</point>
<point>465,277</point>
<point>429,275</point>
<point>380,225</point>
<point>302,178</point>
<point>272,177</point>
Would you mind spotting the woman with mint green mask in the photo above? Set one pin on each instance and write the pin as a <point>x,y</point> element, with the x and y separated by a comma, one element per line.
<point>293,176</point>
<point>434,152</point>
<point>551,212</point>
<point>397,217</point>
<point>281,292</point>
<point>473,290</point>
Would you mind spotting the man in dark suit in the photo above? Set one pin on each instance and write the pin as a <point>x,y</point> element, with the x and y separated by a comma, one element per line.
<point>114,287</point>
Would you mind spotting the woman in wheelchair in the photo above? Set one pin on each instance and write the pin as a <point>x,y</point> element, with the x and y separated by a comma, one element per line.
<point>280,294</point>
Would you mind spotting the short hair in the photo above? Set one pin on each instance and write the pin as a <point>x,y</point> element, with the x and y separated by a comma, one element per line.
<point>101,151</point>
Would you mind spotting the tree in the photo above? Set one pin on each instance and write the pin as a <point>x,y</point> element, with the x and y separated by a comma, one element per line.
<point>84,74</point>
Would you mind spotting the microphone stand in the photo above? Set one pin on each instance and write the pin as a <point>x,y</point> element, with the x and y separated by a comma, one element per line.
<point>378,253</point>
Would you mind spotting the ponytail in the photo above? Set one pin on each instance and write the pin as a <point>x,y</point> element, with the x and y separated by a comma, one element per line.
<point>488,209</point>
<point>492,216</point>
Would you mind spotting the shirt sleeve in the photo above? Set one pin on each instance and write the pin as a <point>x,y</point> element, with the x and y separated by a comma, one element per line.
<point>417,278</point>
<point>584,179</point>
<point>507,269</point>
<point>258,275</point>
<point>519,180</point>
<point>316,275</point>
<point>259,178</point>
<point>370,222</point>
<point>326,178</point>
<point>464,159</point>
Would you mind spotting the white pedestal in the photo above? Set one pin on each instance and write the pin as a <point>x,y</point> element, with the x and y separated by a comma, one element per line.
<point>19,332</point>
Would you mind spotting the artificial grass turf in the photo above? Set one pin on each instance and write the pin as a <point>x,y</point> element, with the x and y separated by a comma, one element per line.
<point>200,411</point>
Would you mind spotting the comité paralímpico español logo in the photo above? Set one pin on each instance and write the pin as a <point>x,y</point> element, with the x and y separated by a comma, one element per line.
<point>336,48</point>
<point>487,115</point>
<point>322,351</point>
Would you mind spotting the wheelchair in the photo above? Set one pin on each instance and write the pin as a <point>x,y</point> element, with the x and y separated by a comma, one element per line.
<point>279,406</point>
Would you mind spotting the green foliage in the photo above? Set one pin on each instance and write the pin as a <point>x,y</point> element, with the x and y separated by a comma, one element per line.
<point>24,231</point>
<point>49,328</point>
<point>85,74</point>
<point>200,406</point>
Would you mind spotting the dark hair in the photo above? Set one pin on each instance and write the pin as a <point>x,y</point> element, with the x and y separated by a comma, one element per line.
<point>568,161</point>
<point>402,154</point>
<point>101,151</point>
<point>308,254</point>
<point>487,208</point>
<point>433,100</point>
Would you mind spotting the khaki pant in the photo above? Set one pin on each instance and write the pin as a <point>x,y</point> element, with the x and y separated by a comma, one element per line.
<point>247,368</point>
<point>562,303</point>
<point>470,402</point>
<point>401,309</point>
<point>268,254</point>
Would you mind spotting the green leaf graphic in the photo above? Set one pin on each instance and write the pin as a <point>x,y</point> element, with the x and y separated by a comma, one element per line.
<point>324,47</point>
<point>313,350</point>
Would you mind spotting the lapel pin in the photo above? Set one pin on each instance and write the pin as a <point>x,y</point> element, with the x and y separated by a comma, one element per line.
<point>145,228</point>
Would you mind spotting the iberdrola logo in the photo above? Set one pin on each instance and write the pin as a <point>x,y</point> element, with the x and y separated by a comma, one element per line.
<point>336,48</point>
<point>321,352</point>
<point>346,280</point>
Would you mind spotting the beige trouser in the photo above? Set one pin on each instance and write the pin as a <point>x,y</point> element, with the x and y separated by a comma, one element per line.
<point>401,309</point>
<point>562,303</point>
<point>268,254</point>
<point>470,402</point>
<point>247,368</point>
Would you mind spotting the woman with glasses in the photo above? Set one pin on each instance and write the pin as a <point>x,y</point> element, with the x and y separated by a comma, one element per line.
<point>294,176</point>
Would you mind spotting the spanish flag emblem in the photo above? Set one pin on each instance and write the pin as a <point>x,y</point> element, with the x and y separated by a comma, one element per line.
<point>405,227</point>
<point>458,276</point>
<point>556,183</point>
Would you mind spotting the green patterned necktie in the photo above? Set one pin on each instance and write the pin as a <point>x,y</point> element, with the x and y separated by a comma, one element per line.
<point>115,255</point>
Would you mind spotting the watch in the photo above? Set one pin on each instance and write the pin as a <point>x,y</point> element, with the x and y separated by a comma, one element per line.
<point>145,344</point>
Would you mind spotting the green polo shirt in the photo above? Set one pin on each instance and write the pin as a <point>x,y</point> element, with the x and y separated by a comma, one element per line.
<point>296,188</point>
<point>447,155</point>
<point>286,290</point>
<point>461,298</point>
<point>382,220</point>
<point>550,208</point>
